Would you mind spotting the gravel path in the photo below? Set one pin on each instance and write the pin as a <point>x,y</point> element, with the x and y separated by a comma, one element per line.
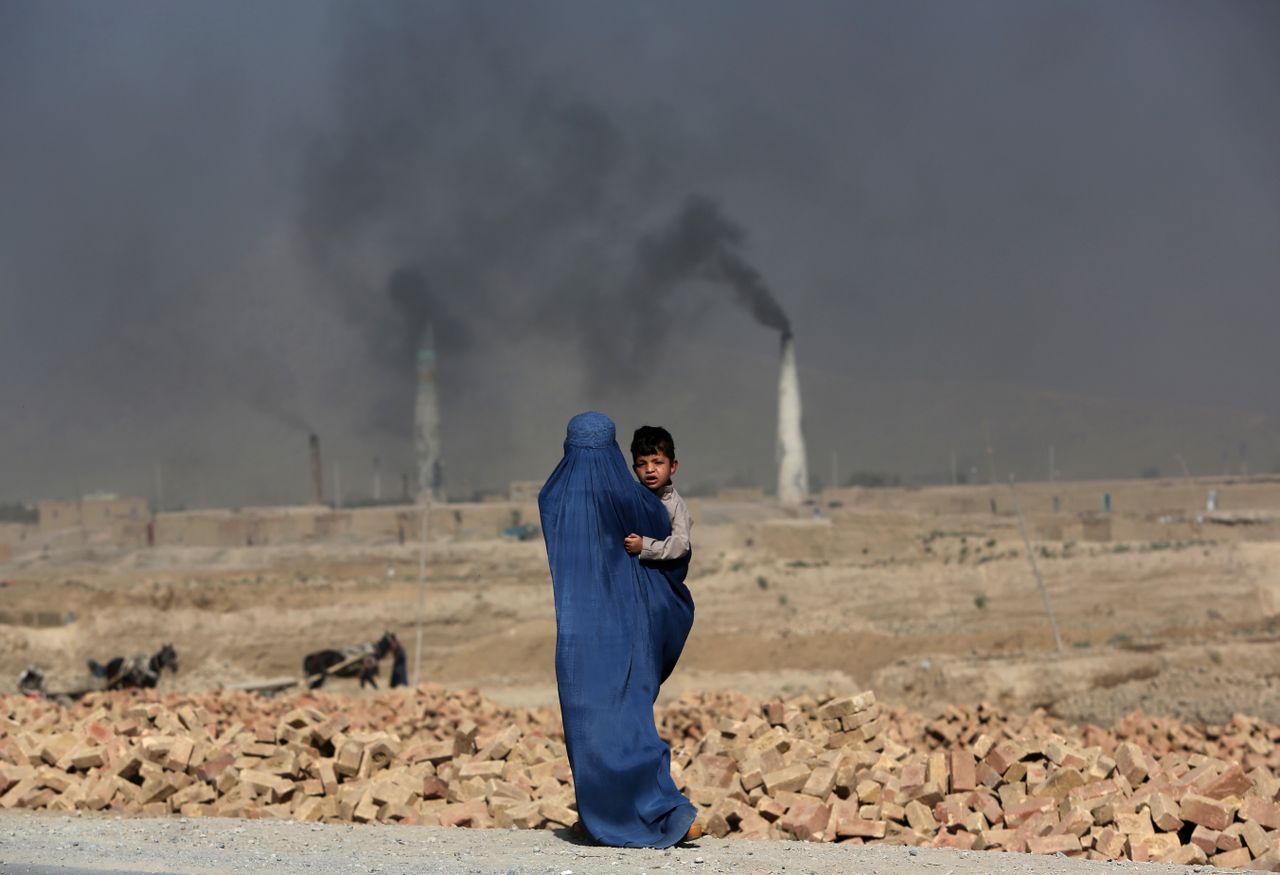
<point>42,844</point>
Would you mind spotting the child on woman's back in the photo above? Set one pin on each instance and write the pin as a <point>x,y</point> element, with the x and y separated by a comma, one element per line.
<point>653,458</point>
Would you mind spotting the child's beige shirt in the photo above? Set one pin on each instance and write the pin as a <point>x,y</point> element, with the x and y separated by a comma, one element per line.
<point>677,545</point>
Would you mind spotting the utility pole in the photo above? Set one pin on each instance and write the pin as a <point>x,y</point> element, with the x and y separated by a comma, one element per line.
<point>424,507</point>
<point>84,535</point>
<point>1026,542</point>
<point>991,464</point>
<point>991,455</point>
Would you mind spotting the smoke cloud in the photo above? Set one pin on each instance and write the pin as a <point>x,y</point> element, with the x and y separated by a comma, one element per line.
<point>460,185</point>
<point>703,243</point>
<point>519,228</point>
<point>225,225</point>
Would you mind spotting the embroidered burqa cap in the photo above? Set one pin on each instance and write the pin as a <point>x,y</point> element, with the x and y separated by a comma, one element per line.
<point>620,626</point>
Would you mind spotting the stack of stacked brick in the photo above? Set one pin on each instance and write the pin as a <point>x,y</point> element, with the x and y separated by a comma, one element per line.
<point>833,768</point>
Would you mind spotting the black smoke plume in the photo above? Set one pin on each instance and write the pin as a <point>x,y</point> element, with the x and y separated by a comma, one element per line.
<point>512,211</point>
<point>701,242</point>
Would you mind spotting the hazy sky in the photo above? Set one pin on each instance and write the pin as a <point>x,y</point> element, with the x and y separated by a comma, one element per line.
<point>202,207</point>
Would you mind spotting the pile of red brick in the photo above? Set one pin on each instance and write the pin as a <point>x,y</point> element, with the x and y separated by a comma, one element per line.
<point>837,768</point>
<point>1152,789</point>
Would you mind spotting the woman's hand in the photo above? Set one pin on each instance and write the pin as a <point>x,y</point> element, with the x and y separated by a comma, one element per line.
<point>634,544</point>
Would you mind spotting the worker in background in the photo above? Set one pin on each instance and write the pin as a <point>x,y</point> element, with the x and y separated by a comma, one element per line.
<point>31,683</point>
<point>399,670</point>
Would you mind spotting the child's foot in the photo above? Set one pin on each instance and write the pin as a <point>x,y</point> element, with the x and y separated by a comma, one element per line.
<point>694,833</point>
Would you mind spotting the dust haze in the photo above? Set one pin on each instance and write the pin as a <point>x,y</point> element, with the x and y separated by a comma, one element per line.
<point>224,227</point>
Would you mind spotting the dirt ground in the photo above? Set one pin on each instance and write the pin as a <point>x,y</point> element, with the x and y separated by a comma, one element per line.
<point>925,596</point>
<point>61,845</point>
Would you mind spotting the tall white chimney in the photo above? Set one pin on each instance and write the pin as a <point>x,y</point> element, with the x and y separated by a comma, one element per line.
<point>426,421</point>
<point>793,471</point>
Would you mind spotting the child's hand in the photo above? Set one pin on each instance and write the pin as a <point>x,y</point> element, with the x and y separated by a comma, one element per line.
<point>634,544</point>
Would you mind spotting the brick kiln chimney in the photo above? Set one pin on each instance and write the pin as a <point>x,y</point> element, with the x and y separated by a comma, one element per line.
<point>426,421</point>
<point>793,471</point>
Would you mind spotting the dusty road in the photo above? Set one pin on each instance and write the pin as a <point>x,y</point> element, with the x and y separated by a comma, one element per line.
<point>60,845</point>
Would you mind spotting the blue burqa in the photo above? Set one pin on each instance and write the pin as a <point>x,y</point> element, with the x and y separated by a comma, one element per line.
<point>620,626</point>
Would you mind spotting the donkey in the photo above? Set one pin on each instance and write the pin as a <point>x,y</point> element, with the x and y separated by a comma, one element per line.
<point>139,671</point>
<point>321,663</point>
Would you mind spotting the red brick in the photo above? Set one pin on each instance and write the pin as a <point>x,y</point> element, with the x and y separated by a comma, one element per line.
<point>1237,859</point>
<point>1229,839</point>
<point>770,809</point>
<point>1268,862</point>
<point>1205,838</point>
<point>912,779</point>
<point>1208,812</point>
<point>963,771</point>
<point>180,753</point>
<point>962,840</point>
<point>1134,823</point>
<point>987,776</point>
<point>849,823</point>
<point>1260,811</point>
<point>551,810</point>
<point>1257,838</point>
<point>920,817</point>
<point>1132,763</point>
<point>820,783</point>
<point>85,758</point>
<point>99,731</point>
<point>1109,842</point>
<point>1019,812</point>
<point>951,811</point>
<point>1059,785</point>
<point>20,793</point>
<point>1187,855</point>
<point>807,820</point>
<point>938,771</point>
<point>1004,755</point>
<point>985,804</point>
<point>843,706</point>
<point>1075,821</point>
<point>792,777</point>
<point>58,746</point>
<point>1164,813</point>
<point>1152,848</point>
<point>994,838</point>
<point>266,784</point>
<point>464,813</point>
<point>1232,782</point>
<point>1053,844</point>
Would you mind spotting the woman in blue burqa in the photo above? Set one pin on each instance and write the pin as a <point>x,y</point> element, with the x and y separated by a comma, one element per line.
<point>620,626</point>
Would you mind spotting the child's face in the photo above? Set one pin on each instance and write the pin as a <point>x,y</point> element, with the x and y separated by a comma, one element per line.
<point>654,469</point>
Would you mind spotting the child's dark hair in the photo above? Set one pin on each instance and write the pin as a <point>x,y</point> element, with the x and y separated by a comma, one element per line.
<point>650,439</point>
